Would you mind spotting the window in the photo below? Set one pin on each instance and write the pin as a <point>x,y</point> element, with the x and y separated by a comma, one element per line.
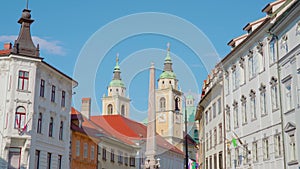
<point>244,110</point>
<point>196,135</point>
<point>14,157</point>
<point>235,114</point>
<point>263,108</point>
<point>228,118</point>
<point>126,159</point>
<point>277,146</point>
<point>274,93</point>
<point>288,95</point>
<point>215,137</point>
<point>237,156</point>
<point>39,123</point>
<point>253,105</point>
<point>284,44</point>
<point>226,83</point>
<point>214,110</point>
<point>252,65</point>
<point>49,160</point>
<point>220,133</point>
<point>260,57</point>
<point>37,159</point>
<point>162,102</point>
<point>210,162</point>
<point>104,153</point>
<point>266,149</point>
<point>242,73</point>
<point>206,140</point>
<point>61,130</point>
<point>235,78</point>
<point>42,88</point>
<point>206,162</point>
<point>23,80</point>
<point>228,158</point>
<point>254,152</point>
<point>219,106</point>
<point>132,162</point>
<point>53,93</point>
<point>109,109</point>
<point>210,139</point>
<point>59,162</point>
<point>220,159</point>
<point>123,110</point>
<point>77,148</point>
<point>85,150</point>
<point>92,152</point>
<point>63,98</point>
<point>51,127</point>
<point>206,117</point>
<point>272,54</point>
<point>292,148</point>
<point>112,155</point>
<point>20,118</point>
<point>215,161</point>
<point>245,154</point>
<point>120,157</point>
<point>210,114</point>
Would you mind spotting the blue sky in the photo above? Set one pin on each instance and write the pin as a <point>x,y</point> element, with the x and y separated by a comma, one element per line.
<point>72,33</point>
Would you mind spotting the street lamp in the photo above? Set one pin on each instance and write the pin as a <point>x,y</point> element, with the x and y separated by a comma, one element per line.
<point>177,110</point>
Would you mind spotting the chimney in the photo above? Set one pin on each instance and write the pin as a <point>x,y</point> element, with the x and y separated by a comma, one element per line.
<point>7,46</point>
<point>86,107</point>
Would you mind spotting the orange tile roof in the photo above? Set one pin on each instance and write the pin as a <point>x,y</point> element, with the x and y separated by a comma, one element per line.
<point>125,129</point>
<point>5,52</point>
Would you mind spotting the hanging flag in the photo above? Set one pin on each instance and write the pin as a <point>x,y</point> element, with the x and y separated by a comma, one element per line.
<point>234,143</point>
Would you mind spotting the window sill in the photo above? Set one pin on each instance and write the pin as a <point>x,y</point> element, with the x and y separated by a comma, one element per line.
<point>24,91</point>
<point>274,110</point>
<point>294,162</point>
<point>253,77</point>
<point>273,63</point>
<point>253,119</point>
<point>244,123</point>
<point>262,71</point>
<point>264,115</point>
<point>236,127</point>
<point>289,111</point>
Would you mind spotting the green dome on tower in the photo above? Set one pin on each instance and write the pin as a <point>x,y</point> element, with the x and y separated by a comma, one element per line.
<point>117,81</point>
<point>168,71</point>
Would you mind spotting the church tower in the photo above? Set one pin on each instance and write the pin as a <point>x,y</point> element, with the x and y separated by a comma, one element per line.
<point>168,99</point>
<point>116,101</point>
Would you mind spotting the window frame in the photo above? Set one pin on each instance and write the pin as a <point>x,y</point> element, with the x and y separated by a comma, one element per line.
<point>23,80</point>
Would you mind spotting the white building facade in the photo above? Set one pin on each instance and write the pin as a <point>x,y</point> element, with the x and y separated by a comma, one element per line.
<point>286,33</point>
<point>34,106</point>
<point>252,104</point>
<point>213,125</point>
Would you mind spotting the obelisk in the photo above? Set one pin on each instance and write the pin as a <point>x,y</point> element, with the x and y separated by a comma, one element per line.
<point>151,127</point>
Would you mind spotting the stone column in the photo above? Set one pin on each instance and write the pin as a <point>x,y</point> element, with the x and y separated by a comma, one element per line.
<point>151,127</point>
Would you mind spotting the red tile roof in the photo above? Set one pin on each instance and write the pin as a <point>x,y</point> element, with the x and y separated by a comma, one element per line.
<point>5,52</point>
<point>125,129</point>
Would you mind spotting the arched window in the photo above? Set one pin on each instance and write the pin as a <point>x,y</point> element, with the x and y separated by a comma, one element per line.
<point>162,102</point>
<point>20,117</point>
<point>123,110</point>
<point>109,109</point>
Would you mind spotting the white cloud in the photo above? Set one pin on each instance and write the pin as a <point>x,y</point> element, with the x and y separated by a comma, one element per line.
<point>48,46</point>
